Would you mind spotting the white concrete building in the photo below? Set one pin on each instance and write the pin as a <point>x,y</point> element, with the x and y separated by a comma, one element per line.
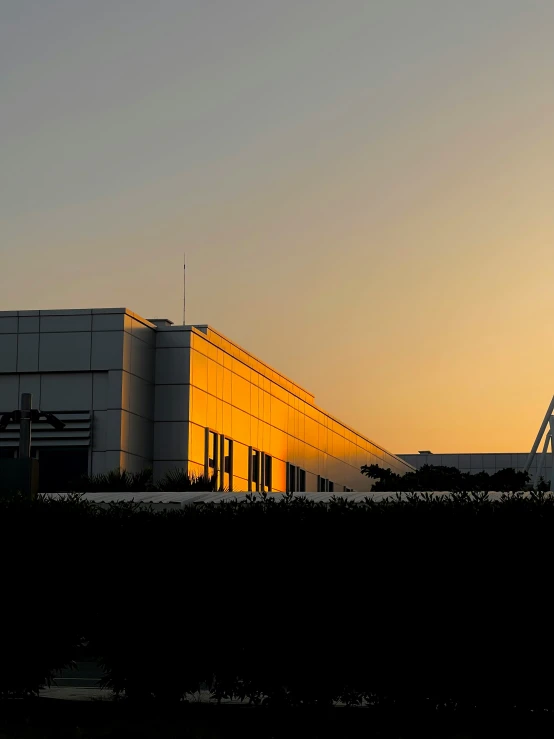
<point>137,393</point>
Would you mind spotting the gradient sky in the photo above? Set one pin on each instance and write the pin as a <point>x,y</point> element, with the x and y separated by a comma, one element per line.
<point>365,192</point>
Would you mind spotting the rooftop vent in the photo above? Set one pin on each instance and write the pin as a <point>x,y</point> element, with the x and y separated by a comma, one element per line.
<point>425,451</point>
<point>161,321</point>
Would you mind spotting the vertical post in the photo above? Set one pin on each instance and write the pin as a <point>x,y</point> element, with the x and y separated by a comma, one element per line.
<point>539,436</point>
<point>25,426</point>
<point>207,454</point>
<point>547,439</point>
<point>222,462</point>
<point>552,452</point>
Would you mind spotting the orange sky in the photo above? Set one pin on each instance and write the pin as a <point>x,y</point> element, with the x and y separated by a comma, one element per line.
<point>364,191</point>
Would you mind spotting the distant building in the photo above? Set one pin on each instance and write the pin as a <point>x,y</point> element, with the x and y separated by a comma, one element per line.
<point>137,393</point>
<point>486,462</point>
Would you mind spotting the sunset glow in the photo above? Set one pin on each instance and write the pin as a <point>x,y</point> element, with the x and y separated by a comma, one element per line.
<point>364,191</point>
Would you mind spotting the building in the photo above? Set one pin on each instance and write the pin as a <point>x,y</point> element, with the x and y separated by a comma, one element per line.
<point>137,393</point>
<point>487,462</point>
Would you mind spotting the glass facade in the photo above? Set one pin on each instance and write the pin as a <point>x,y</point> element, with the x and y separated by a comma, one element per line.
<point>256,430</point>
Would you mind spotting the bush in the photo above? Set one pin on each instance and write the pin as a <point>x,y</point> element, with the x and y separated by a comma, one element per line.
<point>428,601</point>
<point>434,478</point>
<point>121,481</point>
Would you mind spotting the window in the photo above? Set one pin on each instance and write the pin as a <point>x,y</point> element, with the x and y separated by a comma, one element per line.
<point>256,458</point>
<point>227,464</point>
<point>330,486</point>
<point>296,481</point>
<point>291,482</point>
<point>321,484</point>
<point>212,452</point>
<point>267,473</point>
<point>348,490</point>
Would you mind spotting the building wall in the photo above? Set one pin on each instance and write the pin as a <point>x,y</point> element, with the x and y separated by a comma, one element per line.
<point>144,393</point>
<point>235,395</point>
<point>96,361</point>
<point>474,463</point>
<point>171,400</point>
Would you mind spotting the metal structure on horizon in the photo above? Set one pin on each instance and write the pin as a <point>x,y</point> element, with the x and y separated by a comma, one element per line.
<point>547,434</point>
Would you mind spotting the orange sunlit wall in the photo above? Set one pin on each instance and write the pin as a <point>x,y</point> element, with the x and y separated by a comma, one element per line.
<point>237,396</point>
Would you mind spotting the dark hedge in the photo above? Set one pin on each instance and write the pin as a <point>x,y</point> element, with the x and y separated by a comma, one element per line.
<point>434,601</point>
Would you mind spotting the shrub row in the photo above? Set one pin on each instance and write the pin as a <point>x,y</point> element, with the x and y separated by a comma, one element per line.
<point>119,481</point>
<point>429,600</point>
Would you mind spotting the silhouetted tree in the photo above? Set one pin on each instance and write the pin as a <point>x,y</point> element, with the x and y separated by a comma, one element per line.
<point>432,478</point>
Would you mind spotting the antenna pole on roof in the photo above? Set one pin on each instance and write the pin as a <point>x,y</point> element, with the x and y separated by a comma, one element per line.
<point>184,287</point>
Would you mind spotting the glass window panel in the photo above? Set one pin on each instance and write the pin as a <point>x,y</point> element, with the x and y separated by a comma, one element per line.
<point>213,452</point>
<point>241,425</point>
<point>212,377</point>
<point>292,422</point>
<point>279,392</point>
<point>240,484</point>
<point>264,436</point>
<point>278,446</point>
<point>227,464</point>
<point>199,370</point>
<point>279,414</point>
<point>301,453</point>
<point>278,476</point>
<point>240,369</point>
<point>227,384</point>
<point>254,406</point>
<point>310,411</point>
<point>220,372</point>
<point>199,344</point>
<point>311,482</point>
<point>227,419</point>
<point>255,469</point>
<point>195,469</point>
<point>268,473</point>
<point>291,483</point>
<point>199,407</point>
<point>197,444</point>
<point>254,432</point>
<point>338,446</point>
<point>301,481</point>
<point>240,392</point>
<point>267,407</point>
<point>311,459</point>
<point>212,412</point>
<point>322,438</point>
<point>301,420</point>
<point>312,432</point>
<point>240,461</point>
